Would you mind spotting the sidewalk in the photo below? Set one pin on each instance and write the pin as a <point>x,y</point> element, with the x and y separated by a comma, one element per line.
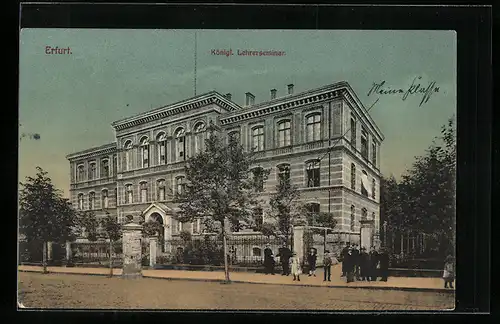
<point>393,283</point>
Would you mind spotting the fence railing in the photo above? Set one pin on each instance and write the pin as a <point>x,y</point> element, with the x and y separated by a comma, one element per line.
<point>96,253</point>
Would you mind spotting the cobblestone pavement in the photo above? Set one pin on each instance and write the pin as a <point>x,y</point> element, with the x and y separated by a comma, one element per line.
<point>79,291</point>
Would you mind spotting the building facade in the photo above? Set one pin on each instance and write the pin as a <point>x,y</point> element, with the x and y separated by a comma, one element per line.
<point>322,139</point>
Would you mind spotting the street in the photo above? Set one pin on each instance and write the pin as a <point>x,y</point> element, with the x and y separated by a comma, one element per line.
<point>83,291</point>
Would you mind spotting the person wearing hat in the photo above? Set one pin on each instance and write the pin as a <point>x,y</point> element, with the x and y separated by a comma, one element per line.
<point>449,272</point>
<point>373,261</point>
<point>285,255</point>
<point>343,256</point>
<point>311,261</point>
<point>364,265</point>
<point>296,270</point>
<point>349,266</point>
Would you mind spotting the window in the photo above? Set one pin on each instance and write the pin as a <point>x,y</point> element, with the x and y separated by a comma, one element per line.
<point>312,212</point>
<point>129,194</point>
<point>105,168</point>
<point>80,175</point>
<point>283,173</point>
<point>258,215</point>
<point>313,174</point>
<point>199,137</point>
<point>180,144</point>
<point>313,128</point>
<point>352,218</point>
<point>80,201</point>
<point>373,188</point>
<point>181,185</point>
<point>257,251</point>
<point>353,176</point>
<point>353,132</point>
<point>234,136</point>
<point>284,138</point>
<point>197,226</point>
<point>365,187</point>
<point>144,152</point>
<point>364,143</point>
<point>364,214</point>
<point>258,179</point>
<point>128,156</point>
<point>373,215</point>
<point>144,191</point>
<point>104,199</point>
<point>258,138</point>
<point>92,200</point>
<point>374,153</point>
<point>115,165</point>
<point>92,171</point>
<point>161,147</point>
<point>161,189</point>
<point>129,218</point>
<point>116,197</point>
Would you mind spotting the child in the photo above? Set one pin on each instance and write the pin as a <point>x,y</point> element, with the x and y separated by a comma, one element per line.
<point>311,260</point>
<point>449,272</point>
<point>296,267</point>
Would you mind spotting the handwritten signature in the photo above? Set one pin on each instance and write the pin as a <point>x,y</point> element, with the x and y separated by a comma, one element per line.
<point>414,88</point>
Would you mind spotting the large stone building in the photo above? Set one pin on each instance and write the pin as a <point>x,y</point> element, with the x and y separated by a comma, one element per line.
<point>137,174</point>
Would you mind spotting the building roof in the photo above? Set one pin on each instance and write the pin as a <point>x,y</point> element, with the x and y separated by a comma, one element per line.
<point>98,150</point>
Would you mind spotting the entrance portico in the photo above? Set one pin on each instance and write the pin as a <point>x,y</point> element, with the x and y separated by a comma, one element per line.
<point>163,215</point>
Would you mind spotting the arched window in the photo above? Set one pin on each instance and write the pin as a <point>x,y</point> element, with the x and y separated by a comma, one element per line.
<point>181,184</point>
<point>312,212</point>
<point>161,189</point>
<point>199,137</point>
<point>105,168</point>
<point>92,171</point>
<point>104,199</point>
<point>374,153</point>
<point>258,138</point>
<point>364,142</point>
<point>91,200</point>
<point>352,218</point>
<point>180,144</point>
<point>283,173</point>
<point>313,127</point>
<point>313,174</point>
<point>258,179</point>
<point>284,137</point>
<point>128,156</point>
<point>144,152</point>
<point>364,214</point>
<point>161,147</point>
<point>115,165</point>
<point>144,191</point>
<point>80,201</point>
<point>256,251</point>
<point>365,186</point>
<point>129,194</point>
<point>116,197</point>
<point>353,176</point>
<point>373,188</point>
<point>80,175</point>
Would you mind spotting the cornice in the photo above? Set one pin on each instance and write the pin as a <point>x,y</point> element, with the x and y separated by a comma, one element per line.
<point>93,152</point>
<point>309,97</point>
<point>212,97</point>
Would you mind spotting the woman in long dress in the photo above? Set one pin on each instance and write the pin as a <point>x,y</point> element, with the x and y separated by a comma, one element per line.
<point>449,272</point>
<point>296,271</point>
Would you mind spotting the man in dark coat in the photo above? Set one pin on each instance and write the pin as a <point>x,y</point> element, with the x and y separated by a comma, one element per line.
<point>383,258</point>
<point>356,261</point>
<point>373,264</point>
<point>343,255</point>
<point>268,260</point>
<point>285,255</point>
<point>364,264</point>
<point>311,261</point>
<point>349,266</point>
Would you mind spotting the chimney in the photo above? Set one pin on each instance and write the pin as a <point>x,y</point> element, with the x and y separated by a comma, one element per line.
<point>273,93</point>
<point>228,96</point>
<point>250,99</point>
<point>290,88</point>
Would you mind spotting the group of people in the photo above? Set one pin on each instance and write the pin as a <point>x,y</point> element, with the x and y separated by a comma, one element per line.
<point>359,264</point>
<point>290,262</point>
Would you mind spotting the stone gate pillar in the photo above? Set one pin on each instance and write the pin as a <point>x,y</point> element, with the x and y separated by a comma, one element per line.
<point>153,247</point>
<point>132,250</point>
<point>366,233</point>
<point>49,251</point>
<point>298,241</point>
<point>68,251</point>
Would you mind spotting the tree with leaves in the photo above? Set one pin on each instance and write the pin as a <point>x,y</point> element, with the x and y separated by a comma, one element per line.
<point>44,215</point>
<point>113,232</point>
<point>88,225</point>
<point>219,186</point>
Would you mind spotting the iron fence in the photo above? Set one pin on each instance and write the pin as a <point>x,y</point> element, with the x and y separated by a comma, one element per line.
<point>96,253</point>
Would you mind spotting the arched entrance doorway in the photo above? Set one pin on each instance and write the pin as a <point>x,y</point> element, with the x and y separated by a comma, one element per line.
<point>156,217</point>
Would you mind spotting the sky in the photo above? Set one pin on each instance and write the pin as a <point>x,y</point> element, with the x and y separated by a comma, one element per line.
<point>72,99</point>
